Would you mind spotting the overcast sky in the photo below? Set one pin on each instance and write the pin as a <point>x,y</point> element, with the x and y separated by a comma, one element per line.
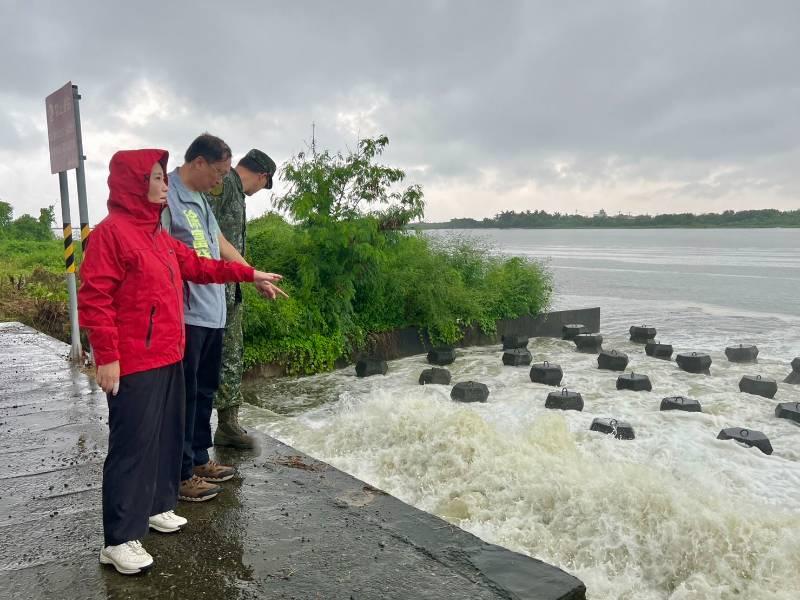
<point>643,106</point>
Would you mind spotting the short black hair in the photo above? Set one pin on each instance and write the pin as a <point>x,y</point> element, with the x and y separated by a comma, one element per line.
<point>251,165</point>
<point>210,147</point>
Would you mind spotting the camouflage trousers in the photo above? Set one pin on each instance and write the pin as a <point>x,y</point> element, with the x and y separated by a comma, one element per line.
<point>229,394</point>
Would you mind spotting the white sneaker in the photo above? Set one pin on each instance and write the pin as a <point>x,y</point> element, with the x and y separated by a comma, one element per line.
<point>179,520</point>
<point>167,522</point>
<point>128,558</point>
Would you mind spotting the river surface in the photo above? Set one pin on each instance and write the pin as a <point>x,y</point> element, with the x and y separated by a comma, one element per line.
<point>674,513</point>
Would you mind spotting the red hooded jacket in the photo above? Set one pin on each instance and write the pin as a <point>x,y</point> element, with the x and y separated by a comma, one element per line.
<point>131,294</point>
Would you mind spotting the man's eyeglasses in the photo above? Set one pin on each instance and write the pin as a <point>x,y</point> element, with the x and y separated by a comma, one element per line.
<point>217,171</point>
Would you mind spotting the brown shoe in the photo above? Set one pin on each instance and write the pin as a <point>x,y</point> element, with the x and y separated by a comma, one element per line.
<point>214,472</point>
<point>197,490</point>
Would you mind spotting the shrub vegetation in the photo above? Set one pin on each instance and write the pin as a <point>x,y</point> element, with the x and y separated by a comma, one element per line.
<point>353,269</point>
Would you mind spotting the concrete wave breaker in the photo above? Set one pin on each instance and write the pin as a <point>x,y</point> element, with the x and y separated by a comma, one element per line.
<point>758,386</point>
<point>588,342</point>
<point>788,410</point>
<point>642,334</point>
<point>443,355</point>
<point>634,382</point>
<point>435,376</point>
<point>657,350</point>
<point>612,360</point>
<point>517,357</point>
<point>470,391</point>
<point>367,367</point>
<point>742,353</point>
<point>694,362</point>
<point>748,437</point>
<point>794,376</point>
<point>546,373</point>
<point>564,400</point>
<point>680,403</point>
<point>621,430</point>
<point>570,330</point>
<point>515,340</point>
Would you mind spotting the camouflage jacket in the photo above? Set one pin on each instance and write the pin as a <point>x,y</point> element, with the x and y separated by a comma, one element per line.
<point>227,202</point>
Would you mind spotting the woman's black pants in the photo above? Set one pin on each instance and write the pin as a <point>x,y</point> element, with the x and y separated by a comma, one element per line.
<point>141,473</point>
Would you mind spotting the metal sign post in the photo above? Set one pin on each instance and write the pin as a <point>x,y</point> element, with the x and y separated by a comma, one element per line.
<point>63,134</point>
<point>83,211</point>
<point>76,354</point>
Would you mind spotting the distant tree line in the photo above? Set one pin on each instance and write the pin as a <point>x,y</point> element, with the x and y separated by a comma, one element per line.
<point>26,227</point>
<point>539,219</point>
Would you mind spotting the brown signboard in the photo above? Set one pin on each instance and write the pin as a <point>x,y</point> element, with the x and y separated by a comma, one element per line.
<point>61,131</point>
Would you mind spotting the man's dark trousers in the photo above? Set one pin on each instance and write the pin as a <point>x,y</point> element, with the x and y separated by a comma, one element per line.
<point>141,472</point>
<point>201,368</point>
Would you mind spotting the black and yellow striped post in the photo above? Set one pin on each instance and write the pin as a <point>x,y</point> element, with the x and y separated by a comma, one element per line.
<point>69,249</point>
<point>84,235</point>
<point>76,354</point>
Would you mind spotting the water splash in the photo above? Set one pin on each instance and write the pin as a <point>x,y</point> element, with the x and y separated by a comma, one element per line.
<point>629,529</point>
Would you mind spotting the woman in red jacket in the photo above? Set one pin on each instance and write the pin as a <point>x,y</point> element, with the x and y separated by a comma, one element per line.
<point>131,303</point>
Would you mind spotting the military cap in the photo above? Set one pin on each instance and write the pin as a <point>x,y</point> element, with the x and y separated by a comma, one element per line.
<point>265,163</point>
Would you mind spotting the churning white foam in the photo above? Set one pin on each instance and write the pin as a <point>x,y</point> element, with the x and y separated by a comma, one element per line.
<point>675,513</point>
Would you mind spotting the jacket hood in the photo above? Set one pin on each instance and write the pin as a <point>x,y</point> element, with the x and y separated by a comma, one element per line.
<point>129,182</point>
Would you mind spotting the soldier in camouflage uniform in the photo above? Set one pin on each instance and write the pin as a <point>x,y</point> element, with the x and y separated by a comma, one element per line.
<point>253,173</point>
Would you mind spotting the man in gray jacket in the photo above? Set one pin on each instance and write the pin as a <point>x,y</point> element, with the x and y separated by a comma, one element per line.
<point>190,220</point>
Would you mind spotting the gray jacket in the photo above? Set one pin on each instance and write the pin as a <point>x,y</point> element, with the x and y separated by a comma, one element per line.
<point>191,221</point>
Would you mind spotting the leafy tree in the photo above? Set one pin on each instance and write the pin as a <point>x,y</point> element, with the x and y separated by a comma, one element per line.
<point>28,228</point>
<point>6,214</point>
<point>337,187</point>
<point>347,206</point>
<point>47,216</point>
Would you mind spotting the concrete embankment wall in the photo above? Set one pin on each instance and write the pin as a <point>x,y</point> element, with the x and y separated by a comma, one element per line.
<point>409,341</point>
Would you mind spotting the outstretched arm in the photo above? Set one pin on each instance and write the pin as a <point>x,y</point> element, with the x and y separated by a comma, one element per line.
<point>229,252</point>
<point>205,270</point>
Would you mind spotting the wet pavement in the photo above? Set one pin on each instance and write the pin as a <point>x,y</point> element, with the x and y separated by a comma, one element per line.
<point>288,527</point>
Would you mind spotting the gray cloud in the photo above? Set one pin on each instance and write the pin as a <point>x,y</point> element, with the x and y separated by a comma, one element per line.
<point>612,102</point>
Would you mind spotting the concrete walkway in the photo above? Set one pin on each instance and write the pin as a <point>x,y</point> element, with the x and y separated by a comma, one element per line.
<point>289,527</point>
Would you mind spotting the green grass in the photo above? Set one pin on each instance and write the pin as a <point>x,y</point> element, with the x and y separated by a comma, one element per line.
<point>32,285</point>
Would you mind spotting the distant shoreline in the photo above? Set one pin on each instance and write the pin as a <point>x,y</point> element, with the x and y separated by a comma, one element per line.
<point>432,226</point>
<point>768,218</point>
